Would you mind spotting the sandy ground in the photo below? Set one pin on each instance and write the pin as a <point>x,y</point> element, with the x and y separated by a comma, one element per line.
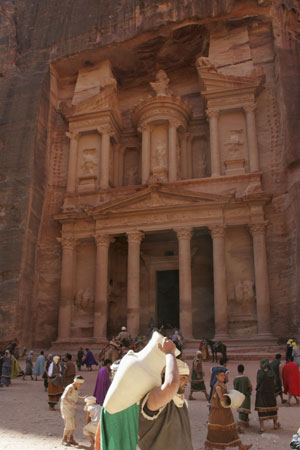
<point>26,423</point>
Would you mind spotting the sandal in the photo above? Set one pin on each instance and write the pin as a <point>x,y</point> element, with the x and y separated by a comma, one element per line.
<point>72,442</point>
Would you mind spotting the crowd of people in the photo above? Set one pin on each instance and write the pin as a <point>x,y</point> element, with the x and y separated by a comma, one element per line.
<point>164,403</point>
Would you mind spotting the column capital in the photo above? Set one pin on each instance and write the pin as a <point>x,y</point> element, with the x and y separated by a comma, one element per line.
<point>173,123</point>
<point>67,242</point>
<point>212,113</point>
<point>72,134</point>
<point>217,230</point>
<point>249,108</point>
<point>103,240</point>
<point>105,129</point>
<point>135,236</point>
<point>144,127</point>
<point>184,233</point>
<point>258,228</point>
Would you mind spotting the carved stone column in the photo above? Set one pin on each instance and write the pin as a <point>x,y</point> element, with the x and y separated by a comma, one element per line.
<point>116,165</point>
<point>146,153</point>
<point>261,279</point>
<point>172,151</point>
<point>65,307</point>
<point>133,282</point>
<point>185,281</point>
<point>184,156</point>
<point>252,137</point>
<point>104,164</point>
<point>220,288</point>
<point>121,165</point>
<point>72,167</point>
<point>189,156</point>
<point>100,314</point>
<point>214,142</point>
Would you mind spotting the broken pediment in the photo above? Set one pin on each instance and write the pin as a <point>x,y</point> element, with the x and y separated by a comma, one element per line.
<point>157,198</point>
<point>213,81</point>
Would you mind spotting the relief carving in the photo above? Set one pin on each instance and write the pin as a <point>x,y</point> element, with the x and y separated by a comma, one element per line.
<point>235,143</point>
<point>89,161</point>
<point>84,299</point>
<point>204,63</point>
<point>160,85</point>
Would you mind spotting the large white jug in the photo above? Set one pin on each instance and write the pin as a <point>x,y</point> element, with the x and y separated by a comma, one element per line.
<point>234,399</point>
<point>138,373</point>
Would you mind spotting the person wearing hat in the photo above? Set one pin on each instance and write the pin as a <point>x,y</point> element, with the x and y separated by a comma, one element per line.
<point>296,354</point>
<point>164,420</point>
<point>124,337</point>
<point>197,384</point>
<point>54,382</point>
<point>222,431</point>
<point>68,405</point>
<point>93,411</point>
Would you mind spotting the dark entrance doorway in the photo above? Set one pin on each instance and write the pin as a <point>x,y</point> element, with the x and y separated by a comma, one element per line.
<point>167,297</point>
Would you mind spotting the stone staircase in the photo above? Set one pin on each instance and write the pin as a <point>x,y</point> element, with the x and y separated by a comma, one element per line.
<point>241,349</point>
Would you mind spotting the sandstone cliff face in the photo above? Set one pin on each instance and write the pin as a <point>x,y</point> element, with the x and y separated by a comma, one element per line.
<point>241,36</point>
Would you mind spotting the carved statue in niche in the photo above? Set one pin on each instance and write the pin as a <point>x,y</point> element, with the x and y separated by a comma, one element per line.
<point>235,143</point>
<point>89,163</point>
<point>84,299</point>
<point>159,156</point>
<point>244,295</point>
<point>204,63</point>
<point>160,85</point>
<point>132,176</point>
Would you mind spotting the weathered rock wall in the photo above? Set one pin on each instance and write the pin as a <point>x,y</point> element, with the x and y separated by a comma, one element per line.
<point>32,35</point>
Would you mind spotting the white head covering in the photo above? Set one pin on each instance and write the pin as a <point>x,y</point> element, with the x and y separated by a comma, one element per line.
<point>123,328</point>
<point>79,380</point>
<point>56,359</point>
<point>90,400</point>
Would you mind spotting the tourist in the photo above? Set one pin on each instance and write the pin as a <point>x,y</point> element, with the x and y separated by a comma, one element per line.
<point>89,360</point>
<point>54,382</point>
<point>164,420</point>
<point>92,418</point>
<point>243,384</point>
<point>69,370</point>
<point>291,380</point>
<point>39,367</point>
<point>276,366</point>
<point>68,405</point>
<point>28,365</point>
<point>49,360</point>
<point>124,337</point>
<point>265,402</point>
<point>204,350</point>
<point>80,355</point>
<point>102,382</point>
<point>177,339</point>
<point>7,359</point>
<point>296,354</point>
<point>197,383</point>
<point>222,432</point>
<point>213,379</point>
<point>289,349</point>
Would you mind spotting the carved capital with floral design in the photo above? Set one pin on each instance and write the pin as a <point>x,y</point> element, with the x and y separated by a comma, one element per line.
<point>135,236</point>
<point>105,129</point>
<point>212,113</point>
<point>67,242</point>
<point>103,240</point>
<point>258,228</point>
<point>217,230</point>
<point>184,233</point>
<point>72,135</point>
<point>174,123</point>
<point>249,108</point>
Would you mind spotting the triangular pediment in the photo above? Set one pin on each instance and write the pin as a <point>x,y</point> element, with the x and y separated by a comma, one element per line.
<point>153,199</point>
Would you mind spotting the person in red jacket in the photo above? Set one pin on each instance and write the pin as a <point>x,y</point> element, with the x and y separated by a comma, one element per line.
<point>291,380</point>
